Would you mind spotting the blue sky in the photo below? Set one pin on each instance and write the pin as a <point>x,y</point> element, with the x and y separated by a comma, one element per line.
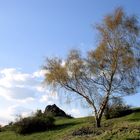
<point>30,31</point>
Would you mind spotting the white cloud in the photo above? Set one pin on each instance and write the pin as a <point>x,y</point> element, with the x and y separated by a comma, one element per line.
<point>10,77</point>
<point>15,84</point>
<point>12,112</point>
<point>75,112</point>
<point>45,99</point>
<point>48,98</point>
<point>20,88</point>
<point>17,93</point>
<point>78,111</point>
<point>39,73</point>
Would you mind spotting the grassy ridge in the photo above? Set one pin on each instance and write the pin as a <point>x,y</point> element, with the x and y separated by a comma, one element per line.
<point>124,128</point>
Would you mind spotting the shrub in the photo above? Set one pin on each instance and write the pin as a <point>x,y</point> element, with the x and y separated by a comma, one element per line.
<point>38,113</point>
<point>117,108</point>
<point>33,124</point>
<point>0,128</point>
<point>120,111</point>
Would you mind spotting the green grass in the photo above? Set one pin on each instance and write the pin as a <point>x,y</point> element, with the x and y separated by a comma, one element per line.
<point>124,128</point>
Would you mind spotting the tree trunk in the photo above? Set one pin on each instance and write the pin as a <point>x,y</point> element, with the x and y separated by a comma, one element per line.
<point>98,122</point>
<point>99,115</point>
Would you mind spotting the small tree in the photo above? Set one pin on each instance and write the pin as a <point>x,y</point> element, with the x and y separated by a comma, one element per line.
<point>107,71</point>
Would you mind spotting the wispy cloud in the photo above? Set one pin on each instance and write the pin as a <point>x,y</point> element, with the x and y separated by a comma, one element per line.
<point>20,89</point>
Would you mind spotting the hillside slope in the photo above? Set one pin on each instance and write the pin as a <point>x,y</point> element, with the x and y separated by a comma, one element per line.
<point>124,128</point>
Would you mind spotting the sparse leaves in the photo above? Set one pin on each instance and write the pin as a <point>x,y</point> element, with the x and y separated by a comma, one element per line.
<point>108,70</point>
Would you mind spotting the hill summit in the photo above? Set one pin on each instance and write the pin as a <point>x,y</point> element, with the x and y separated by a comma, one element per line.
<point>54,110</point>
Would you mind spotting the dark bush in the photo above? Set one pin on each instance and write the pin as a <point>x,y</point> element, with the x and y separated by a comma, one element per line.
<point>119,111</point>
<point>117,108</point>
<point>0,128</point>
<point>33,124</point>
<point>38,113</point>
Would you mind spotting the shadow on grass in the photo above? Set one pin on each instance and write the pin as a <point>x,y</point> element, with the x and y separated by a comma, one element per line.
<point>54,128</point>
<point>64,126</point>
<point>136,110</point>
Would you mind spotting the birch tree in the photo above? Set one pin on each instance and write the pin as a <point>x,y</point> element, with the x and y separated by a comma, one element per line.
<point>108,71</point>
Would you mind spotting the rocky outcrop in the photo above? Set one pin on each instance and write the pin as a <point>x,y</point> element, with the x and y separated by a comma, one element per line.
<point>53,110</point>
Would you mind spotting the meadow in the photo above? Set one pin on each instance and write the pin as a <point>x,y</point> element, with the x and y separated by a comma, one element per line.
<point>123,128</point>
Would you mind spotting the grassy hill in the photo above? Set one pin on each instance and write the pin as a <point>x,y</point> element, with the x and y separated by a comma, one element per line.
<point>124,128</point>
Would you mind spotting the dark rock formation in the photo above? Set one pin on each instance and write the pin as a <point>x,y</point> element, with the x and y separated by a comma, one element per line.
<point>53,110</point>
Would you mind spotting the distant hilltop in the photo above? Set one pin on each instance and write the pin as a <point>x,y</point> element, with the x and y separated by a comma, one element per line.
<point>53,110</point>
